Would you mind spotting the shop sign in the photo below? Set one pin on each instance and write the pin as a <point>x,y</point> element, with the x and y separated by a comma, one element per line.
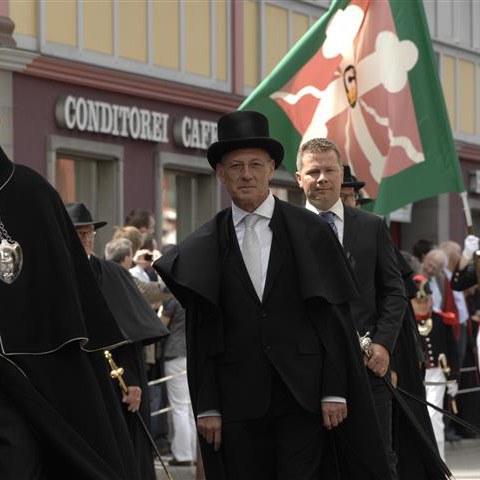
<point>85,115</point>
<point>194,133</point>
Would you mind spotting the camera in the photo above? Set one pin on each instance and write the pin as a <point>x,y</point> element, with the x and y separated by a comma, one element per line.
<point>148,257</point>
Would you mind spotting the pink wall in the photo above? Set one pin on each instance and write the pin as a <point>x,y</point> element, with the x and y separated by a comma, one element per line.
<point>34,120</point>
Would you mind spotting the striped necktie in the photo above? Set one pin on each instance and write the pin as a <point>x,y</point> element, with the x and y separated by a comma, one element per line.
<point>329,217</point>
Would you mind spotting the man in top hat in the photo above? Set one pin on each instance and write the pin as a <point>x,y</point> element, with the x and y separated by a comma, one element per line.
<point>273,358</point>
<point>349,193</point>
<point>140,326</point>
<point>379,310</point>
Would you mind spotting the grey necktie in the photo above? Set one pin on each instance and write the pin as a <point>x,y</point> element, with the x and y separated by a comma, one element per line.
<point>330,218</point>
<point>252,255</point>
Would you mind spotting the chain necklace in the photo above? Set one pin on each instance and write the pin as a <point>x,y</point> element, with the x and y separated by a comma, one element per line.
<point>11,255</point>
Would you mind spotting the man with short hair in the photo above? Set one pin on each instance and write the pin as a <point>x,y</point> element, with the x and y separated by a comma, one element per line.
<point>120,251</point>
<point>378,311</point>
<point>273,358</point>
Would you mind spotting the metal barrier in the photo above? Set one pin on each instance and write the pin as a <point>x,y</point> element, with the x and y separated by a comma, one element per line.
<point>158,381</point>
<point>469,390</point>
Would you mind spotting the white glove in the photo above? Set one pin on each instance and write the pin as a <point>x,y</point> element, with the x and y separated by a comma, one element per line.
<point>452,389</point>
<point>470,246</point>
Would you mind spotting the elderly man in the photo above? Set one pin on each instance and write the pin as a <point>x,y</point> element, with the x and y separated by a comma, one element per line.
<point>136,320</point>
<point>379,310</point>
<point>273,358</point>
<point>434,262</point>
<point>351,187</point>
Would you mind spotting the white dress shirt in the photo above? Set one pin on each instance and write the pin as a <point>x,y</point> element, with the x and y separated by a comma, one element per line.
<point>265,212</point>
<point>339,215</point>
<point>138,272</point>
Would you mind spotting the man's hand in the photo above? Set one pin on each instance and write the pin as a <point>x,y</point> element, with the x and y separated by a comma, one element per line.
<point>132,398</point>
<point>452,389</point>
<point>333,413</point>
<point>379,360</point>
<point>210,428</point>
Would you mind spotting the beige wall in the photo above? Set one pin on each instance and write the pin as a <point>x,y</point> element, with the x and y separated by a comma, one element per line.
<point>62,22</point>
<point>299,26</point>
<point>197,38</point>
<point>466,106</point>
<point>25,16</point>
<point>221,40</point>
<point>98,26</point>
<point>250,43</point>
<point>166,34</point>
<point>132,16</point>
<point>449,86</point>
<point>276,35</point>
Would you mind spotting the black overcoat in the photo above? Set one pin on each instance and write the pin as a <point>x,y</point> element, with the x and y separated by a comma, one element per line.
<point>383,309</point>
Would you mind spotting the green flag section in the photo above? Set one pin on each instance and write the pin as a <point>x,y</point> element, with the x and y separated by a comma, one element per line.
<point>365,76</point>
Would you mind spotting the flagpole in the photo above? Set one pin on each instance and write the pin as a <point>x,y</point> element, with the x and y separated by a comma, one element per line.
<point>470,231</point>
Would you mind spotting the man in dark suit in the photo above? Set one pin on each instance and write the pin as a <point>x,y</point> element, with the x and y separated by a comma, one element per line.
<point>273,357</point>
<point>378,311</point>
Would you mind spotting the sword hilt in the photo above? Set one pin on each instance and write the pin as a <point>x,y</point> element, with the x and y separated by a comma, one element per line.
<point>442,360</point>
<point>116,372</point>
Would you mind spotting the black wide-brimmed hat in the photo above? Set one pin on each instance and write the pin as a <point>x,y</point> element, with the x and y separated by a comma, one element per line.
<point>364,201</point>
<point>350,180</point>
<point>81,216</point>
<point>243,129</point>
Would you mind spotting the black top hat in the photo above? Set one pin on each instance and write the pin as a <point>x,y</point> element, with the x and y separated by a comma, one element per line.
<point>350,180</point>
<point>243,129</point>
<point>81,216</point>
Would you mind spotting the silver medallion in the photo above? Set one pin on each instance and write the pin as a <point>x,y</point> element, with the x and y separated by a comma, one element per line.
<point>11,260</point>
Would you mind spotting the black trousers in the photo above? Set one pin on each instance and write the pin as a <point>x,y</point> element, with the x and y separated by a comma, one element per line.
<point>382,399</point>
<point>284,444</point>
<point>20,454</point>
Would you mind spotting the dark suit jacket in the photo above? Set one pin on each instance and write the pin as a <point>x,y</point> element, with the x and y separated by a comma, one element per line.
<point>382,302</point>
<point>192,271</point>
<point>463,279</point>
<point>282,331</point>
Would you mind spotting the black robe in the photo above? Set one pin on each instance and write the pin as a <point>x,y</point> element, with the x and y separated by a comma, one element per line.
<point>141,326</point>
<point>52,316</point>
<point>414,440</point>
<point>192,271</point>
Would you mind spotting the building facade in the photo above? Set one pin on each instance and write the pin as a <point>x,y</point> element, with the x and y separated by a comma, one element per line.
<point>115,101</point>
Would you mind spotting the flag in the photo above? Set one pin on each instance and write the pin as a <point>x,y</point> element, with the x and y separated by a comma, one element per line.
<point>365,76</point>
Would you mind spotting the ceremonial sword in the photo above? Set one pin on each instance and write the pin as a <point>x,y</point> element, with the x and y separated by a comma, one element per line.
<point>365,344</point>
<point>117,373</point>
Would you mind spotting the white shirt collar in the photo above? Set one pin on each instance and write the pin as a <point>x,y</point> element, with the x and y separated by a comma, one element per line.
<point>264,210</point>
<point>336,208</point>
